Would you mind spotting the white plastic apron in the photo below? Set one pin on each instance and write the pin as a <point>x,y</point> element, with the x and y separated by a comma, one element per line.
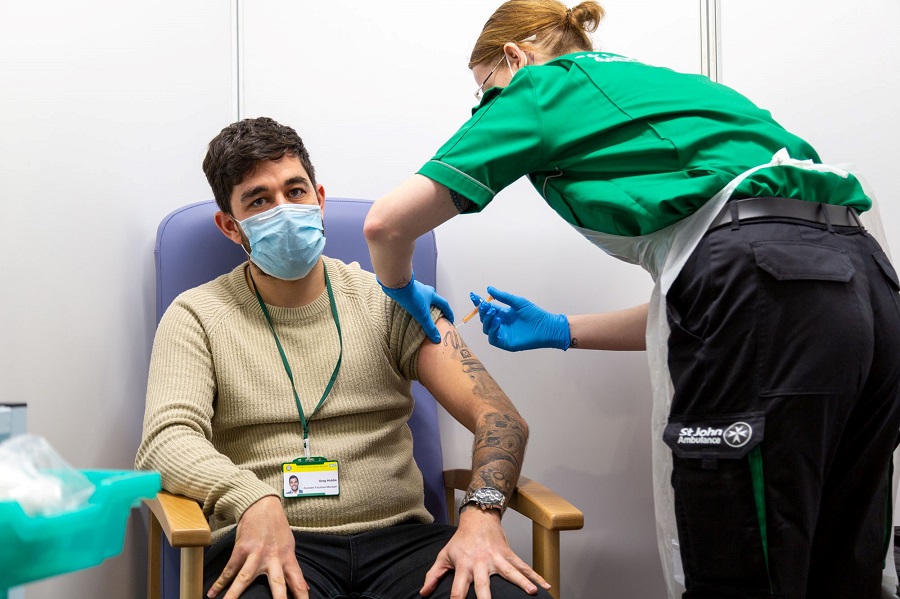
<point>663,253</point>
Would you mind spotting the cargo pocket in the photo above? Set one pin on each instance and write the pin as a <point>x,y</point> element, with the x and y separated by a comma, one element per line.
<point>720,509</point>
<point>806,301</point>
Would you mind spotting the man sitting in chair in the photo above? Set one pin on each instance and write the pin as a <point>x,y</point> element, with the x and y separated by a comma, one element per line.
<point>296,366</point>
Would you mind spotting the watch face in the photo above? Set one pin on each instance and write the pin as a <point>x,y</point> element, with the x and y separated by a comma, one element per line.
<point>487,495</point>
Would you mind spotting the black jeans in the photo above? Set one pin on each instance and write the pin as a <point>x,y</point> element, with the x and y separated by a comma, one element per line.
<point>785,358</point>
<point>389,563</point>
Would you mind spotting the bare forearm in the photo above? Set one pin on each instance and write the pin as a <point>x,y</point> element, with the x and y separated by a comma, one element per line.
<point>624,330</point>
<point>396,220</point>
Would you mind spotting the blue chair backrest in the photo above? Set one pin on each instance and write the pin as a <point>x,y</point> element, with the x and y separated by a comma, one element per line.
<point>190,250</point>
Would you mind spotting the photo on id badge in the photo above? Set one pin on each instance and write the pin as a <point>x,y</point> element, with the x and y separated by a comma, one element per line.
<point>313,477</point>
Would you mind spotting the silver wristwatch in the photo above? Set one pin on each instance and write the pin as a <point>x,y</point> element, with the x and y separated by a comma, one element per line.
<point>487,498</point>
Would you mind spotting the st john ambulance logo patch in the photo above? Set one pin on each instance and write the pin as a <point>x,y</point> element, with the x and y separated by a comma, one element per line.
<point>726,436</point>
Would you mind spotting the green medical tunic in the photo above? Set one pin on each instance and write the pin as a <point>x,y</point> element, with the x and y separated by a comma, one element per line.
<point>624,148</point>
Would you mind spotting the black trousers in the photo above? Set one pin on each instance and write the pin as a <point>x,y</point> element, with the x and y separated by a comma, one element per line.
<point>785,358</point>
<point>389,563</point>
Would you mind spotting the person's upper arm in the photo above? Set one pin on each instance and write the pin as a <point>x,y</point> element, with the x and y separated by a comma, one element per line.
<point>448,370</point>
<point>177,436</point>
<point>498,145</point>
<point>181,388</point>
<point>458,380</point>
<point>404,336</point>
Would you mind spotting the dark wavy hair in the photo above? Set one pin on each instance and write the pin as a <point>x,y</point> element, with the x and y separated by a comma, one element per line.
<point>235,151</point>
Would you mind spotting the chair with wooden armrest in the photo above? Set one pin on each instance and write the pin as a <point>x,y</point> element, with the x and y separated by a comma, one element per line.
<point>182,522</point>
<point>190,250</point>
<point>185,528</point>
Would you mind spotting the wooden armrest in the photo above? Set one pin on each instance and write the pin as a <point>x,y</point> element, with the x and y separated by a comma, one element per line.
<point>531,499</point>
<point>544,507</point>
<point>184,525</point>
<point>181,519</point>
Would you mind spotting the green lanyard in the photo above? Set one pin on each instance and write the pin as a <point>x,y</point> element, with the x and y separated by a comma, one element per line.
<point>287,367</point>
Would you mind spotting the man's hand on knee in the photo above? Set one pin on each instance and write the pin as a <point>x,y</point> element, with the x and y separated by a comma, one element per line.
<point>263,546</point>
<point>477,550</point>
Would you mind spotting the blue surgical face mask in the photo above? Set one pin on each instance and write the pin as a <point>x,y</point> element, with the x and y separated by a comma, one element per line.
<point>286,241</point>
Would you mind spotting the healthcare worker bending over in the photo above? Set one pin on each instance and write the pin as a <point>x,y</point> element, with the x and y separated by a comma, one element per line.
<point>774,328</point>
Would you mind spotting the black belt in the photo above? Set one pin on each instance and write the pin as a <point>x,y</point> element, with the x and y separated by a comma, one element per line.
<point>757,208</point>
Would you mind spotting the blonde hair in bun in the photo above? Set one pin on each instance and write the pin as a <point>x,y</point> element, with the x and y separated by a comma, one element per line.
<point>546,25</point>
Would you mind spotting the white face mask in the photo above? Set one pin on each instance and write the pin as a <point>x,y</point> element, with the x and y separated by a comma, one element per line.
<point>286,241</point>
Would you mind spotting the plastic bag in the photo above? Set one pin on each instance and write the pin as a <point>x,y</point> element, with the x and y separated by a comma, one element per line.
<point>33,474</point>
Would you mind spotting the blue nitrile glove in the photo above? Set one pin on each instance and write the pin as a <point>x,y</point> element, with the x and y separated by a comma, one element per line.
<point>417,299</point>
<point>522,325</point>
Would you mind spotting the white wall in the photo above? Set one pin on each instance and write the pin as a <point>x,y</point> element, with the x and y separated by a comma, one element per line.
<point>105,111</point>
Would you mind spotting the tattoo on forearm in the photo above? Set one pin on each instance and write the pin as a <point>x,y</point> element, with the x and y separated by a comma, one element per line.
<point>493,477</point>
<point>498,451</point>
<point>502,431</point>
<point>462,204</point>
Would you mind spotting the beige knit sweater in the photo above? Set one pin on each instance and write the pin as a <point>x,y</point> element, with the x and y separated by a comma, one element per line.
<point>221,419</point>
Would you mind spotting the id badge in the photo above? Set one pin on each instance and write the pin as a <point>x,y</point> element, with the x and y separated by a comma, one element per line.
<point>311,477</point>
